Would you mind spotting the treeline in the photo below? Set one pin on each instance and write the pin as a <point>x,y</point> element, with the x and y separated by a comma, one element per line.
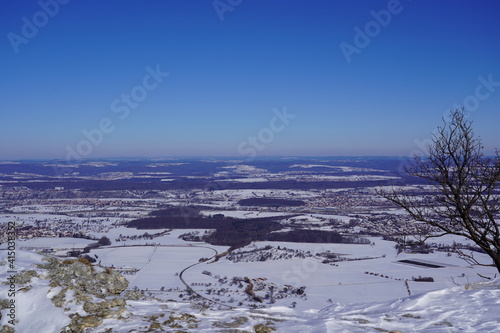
<point>228,231</point>
<point>192,210</point>
<point>175,217</point>
<point>235,232</point>
<point>103,241</point>
<point>174,222</point>
<point>239,233</point>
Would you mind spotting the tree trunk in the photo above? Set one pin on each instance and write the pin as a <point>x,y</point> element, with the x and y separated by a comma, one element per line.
<point>495,257</point>
<point>496,260</point>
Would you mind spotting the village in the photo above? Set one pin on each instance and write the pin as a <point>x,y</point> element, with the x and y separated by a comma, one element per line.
<point>335,236</point>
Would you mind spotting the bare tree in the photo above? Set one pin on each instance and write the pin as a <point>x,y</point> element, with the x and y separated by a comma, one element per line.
<point>465,200</point>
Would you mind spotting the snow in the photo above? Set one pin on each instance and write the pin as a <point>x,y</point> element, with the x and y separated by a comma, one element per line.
<point>309,166</point>
<point>337,168</point>
<point>243,214</point>
<point>347,282</point>
<point>244,169</point>
<point>37,313</point>
<point>245,193</point>
<point>245,180</point>
<point>466,308</point>
<point>34,309</point>
<point>56,243</point>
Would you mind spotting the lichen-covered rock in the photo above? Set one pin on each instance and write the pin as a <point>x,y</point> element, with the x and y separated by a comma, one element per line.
<point>112,281</point>
<point>25,277</point>
<point>184,320</point>
<point>79,324</point>
<point>80,275</point>
<point>134,295</point>
<point>235,322</point>
<point>95,290</point>
<point>261,328</point>
<point>7,329</point>
<point>107,308</point>
<point>4,304</point>
<point>82,296</point>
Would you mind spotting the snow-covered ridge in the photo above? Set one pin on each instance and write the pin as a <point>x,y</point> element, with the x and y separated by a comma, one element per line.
<point>338,168</point>
<point>468,308</point>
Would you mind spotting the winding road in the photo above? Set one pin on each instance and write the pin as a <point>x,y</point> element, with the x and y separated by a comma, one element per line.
<point>191,290</point>
<point>181,277</point>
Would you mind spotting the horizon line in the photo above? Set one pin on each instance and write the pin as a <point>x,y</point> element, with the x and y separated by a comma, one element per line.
<point>176,157</point>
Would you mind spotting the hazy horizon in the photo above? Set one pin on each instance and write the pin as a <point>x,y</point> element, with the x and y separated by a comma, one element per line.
<point>207,157</point>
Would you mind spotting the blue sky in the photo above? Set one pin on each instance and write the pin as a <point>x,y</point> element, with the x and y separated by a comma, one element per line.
<point>233,66</point>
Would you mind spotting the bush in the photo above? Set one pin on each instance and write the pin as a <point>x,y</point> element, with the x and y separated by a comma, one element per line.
<point>104,241</point>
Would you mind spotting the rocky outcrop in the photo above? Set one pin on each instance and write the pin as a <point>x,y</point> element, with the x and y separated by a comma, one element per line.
<point>261,328</point>
<point>96,313</point>
<point>97,290</point>
<point>104,306</point>
<point>80,275</point>
<point>79,324</point>
<point>7,329</point>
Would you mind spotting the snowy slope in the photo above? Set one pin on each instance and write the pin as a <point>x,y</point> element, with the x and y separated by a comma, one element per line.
<point>33,308</point>
<point>471,308</point>
<point>468,308</point>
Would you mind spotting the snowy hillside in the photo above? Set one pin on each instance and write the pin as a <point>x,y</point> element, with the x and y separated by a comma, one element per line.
<point>470,308</point>
<point>42,305</point>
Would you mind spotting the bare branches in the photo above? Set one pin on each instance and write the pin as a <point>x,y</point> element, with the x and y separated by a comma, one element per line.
<point>466,183</point>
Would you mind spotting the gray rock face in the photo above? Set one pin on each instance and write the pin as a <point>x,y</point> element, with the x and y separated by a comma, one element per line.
<point>112,282</point>
<point>261,328</point>
<point>104,306</point>
<point>7,329</point>
<point>79,324</point>
<point>81,277</point>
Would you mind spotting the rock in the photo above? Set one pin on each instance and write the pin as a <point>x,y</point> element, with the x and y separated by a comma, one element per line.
<point>4,304</point>
<point>80,275</point>
<point>261,328</point>
<point>104,307</point>
<point>59,300</point>
<point>236,322</point>
<point>112,281</point>
<point>25,277</point>
<point>79,324</point>
<point>7,329</point>
<point>134,295</point>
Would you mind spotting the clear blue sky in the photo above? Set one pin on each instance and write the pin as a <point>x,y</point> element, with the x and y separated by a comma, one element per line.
<point>230,67</point>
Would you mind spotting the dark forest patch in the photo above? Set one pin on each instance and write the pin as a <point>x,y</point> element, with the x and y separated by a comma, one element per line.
<point>235,232</point>
<point>228,231</point>
<point>271,202</point>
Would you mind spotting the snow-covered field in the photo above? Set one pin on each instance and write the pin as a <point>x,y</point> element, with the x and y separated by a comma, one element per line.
<point>55,243</point>
<point>347,282</point>
<point>466,308</point>
<point>243,214</point>
<point>157,265</point>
